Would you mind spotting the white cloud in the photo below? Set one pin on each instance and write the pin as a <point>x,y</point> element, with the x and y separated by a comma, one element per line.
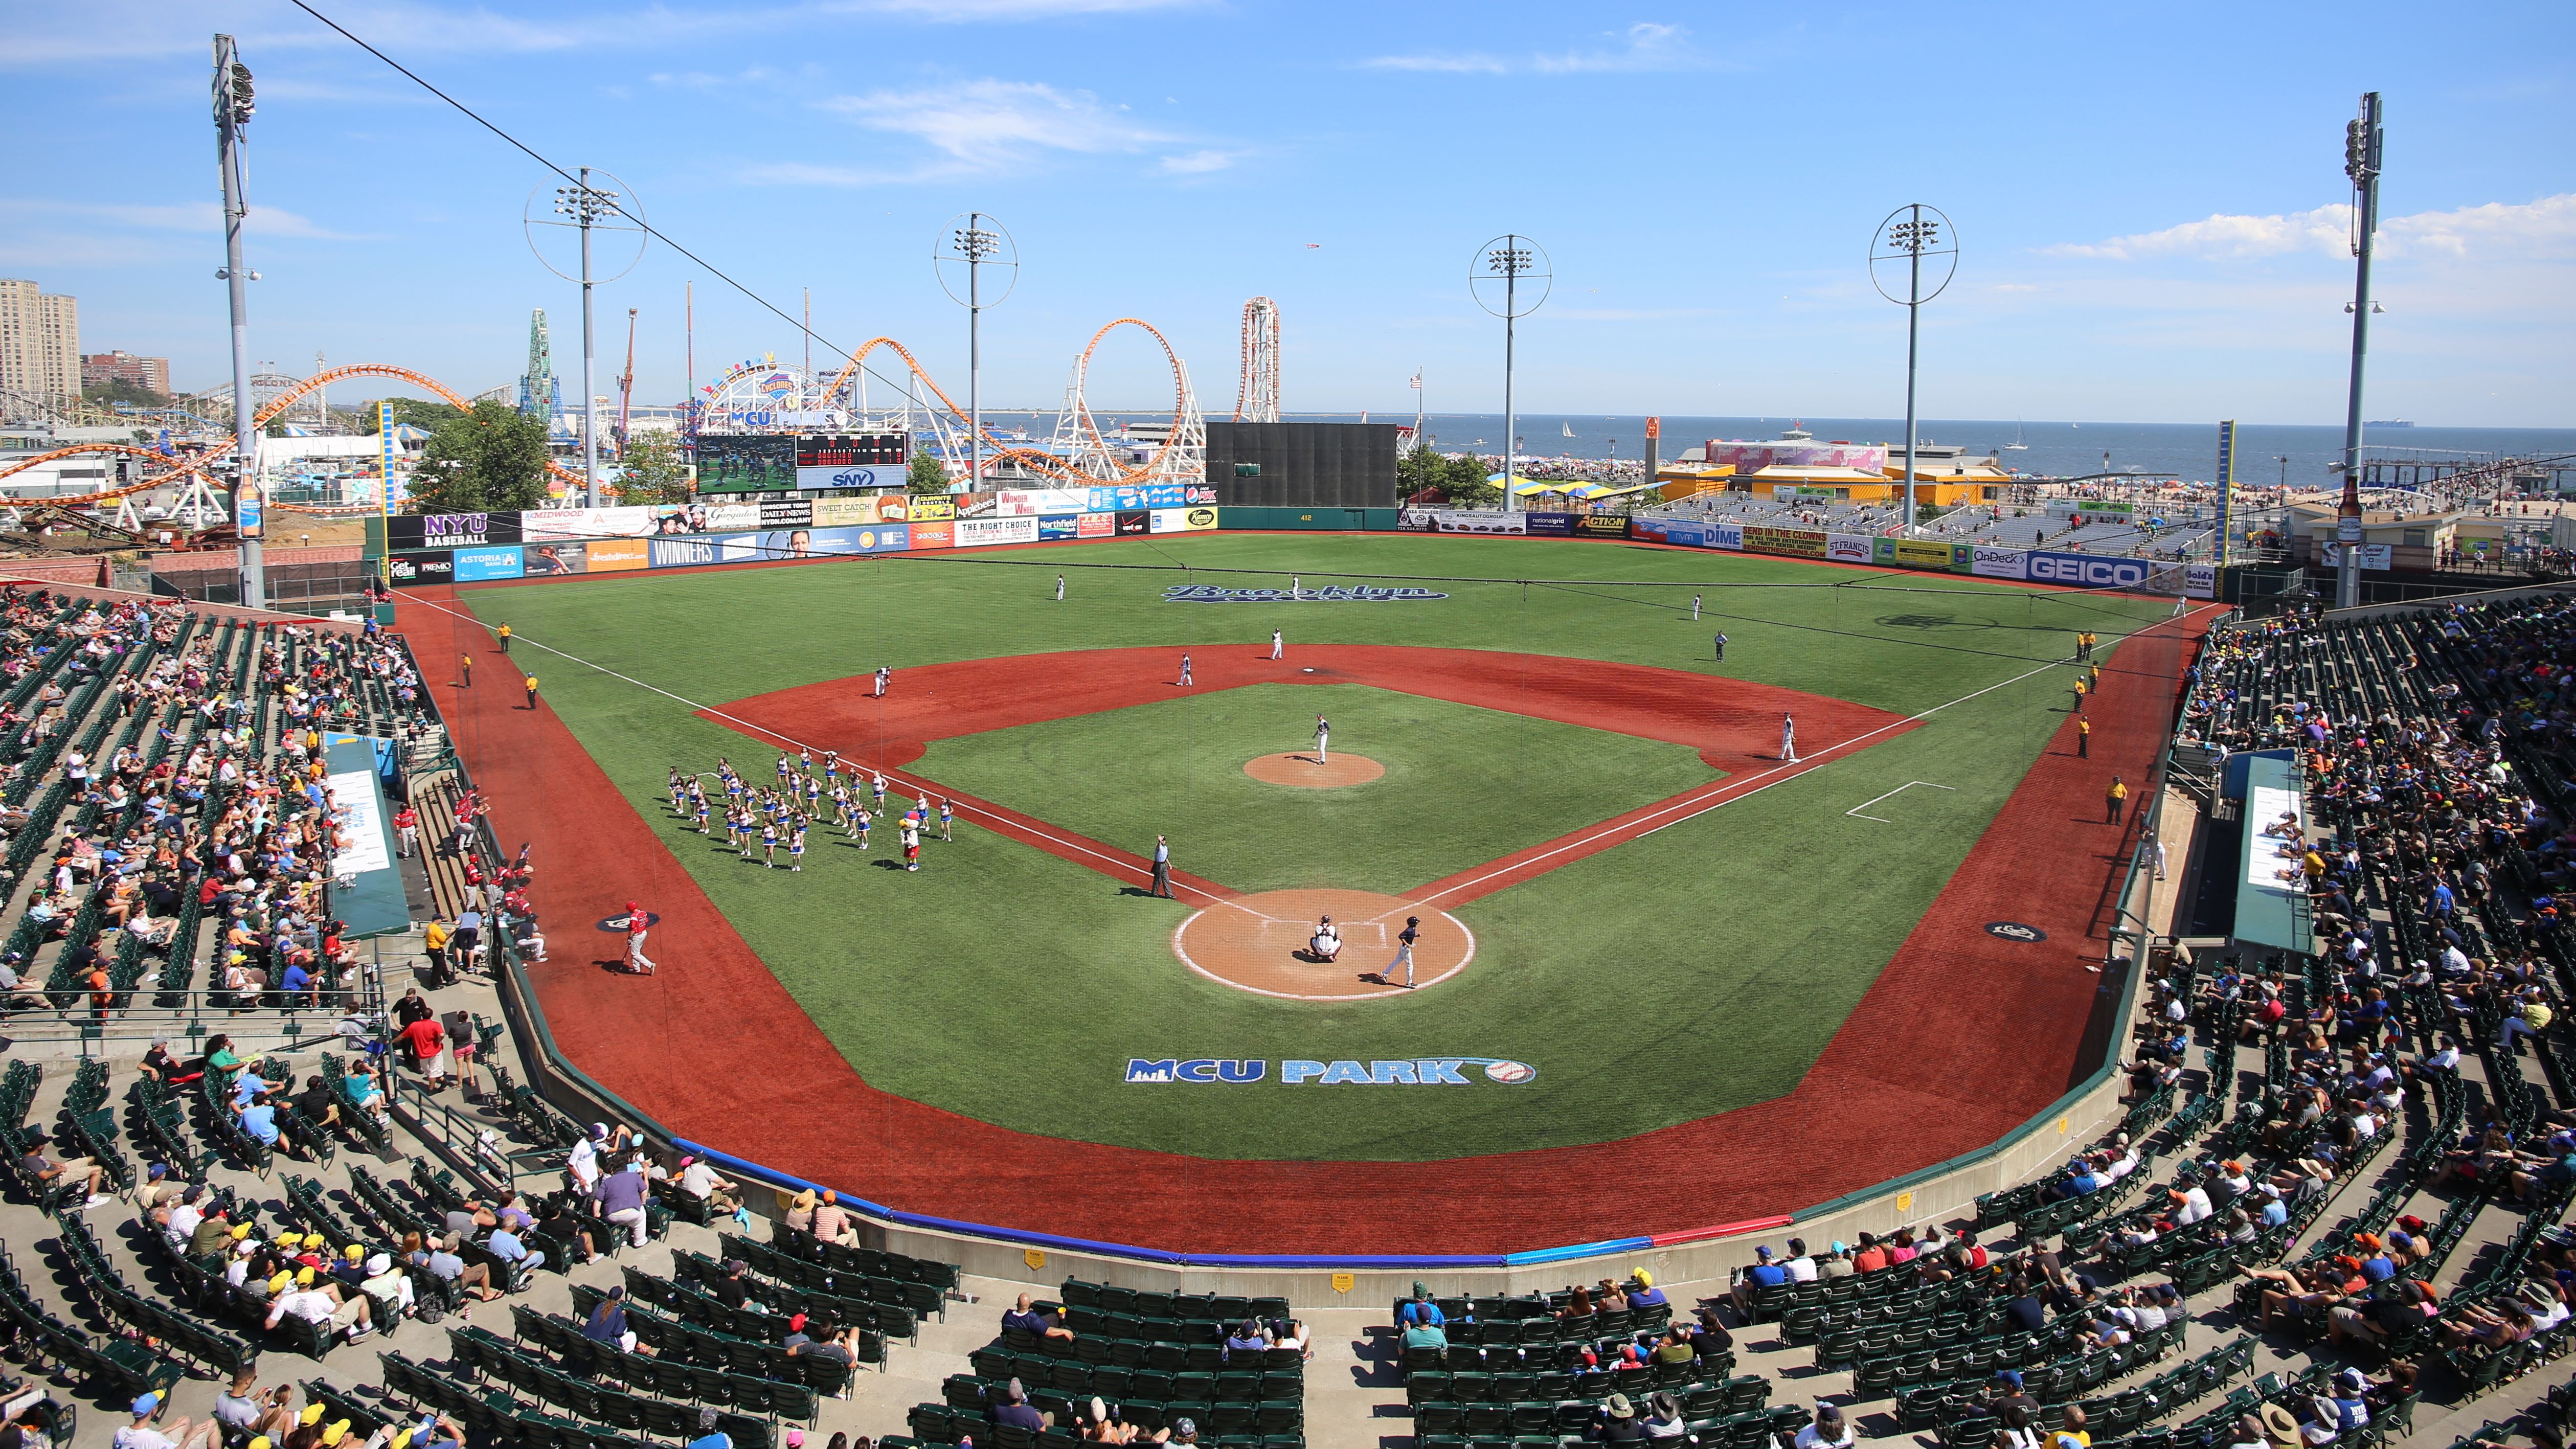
<point>1644,46</point>
<point>196,216</point>
<point>969,10</point>
<point>985,126</point>
<point>1198,163</point>
<point>2546,227</point>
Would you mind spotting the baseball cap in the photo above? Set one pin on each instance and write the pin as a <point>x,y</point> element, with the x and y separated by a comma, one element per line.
<point>337,1430</point>
<point>1183,1428</point>
<point>146,1404</point>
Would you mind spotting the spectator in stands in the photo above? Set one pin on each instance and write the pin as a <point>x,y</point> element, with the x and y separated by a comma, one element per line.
<point>1419,1309</point>
<point>607,1322</point>
<point>505,1245</point>
<point>1246,1340</point>
<point>832,1222</point>
<point>1023,1315</point>
<point>1763,1274</point>
<point>302,1298</point>
<point>699,1180</point>
<point>622,1201</point>
<point>841,1346</point>
<point>1801,1268</point>
<point>48,1174</point>
<point>389,1287</point>
<point>427,1041</point>
<point>1642,1292</point>
<point>1422,1333</point>
<point>244,1411</point>
<point>474,1278</point>
<point>560,1225</point>
<point>1829,1431</point>
<point>141,1435</point>
<point>1663,1418</point>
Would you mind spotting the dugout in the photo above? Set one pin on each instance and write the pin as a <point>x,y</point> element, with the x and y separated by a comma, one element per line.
<point>1302,465</point>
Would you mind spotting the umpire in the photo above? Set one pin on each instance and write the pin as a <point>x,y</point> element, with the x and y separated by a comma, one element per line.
<point>1162,868</point>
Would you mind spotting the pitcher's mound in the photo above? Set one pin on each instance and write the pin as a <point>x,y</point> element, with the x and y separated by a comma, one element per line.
<point>1262,943</point>
<point>1302,768</point>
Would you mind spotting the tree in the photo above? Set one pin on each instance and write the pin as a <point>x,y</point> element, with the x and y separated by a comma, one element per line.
<point>1460,482</point>
<point>491,460</point>
<point>114,390</point>
<point>653,470</point>
<point>925,474</point>
<point>1465,483</point>
<point>412,412</point>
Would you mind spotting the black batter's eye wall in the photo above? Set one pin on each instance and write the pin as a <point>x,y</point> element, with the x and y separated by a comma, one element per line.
<point>1302,465</point>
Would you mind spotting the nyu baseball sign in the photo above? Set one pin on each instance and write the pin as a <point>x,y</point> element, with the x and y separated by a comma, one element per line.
<point>1413,1072</point>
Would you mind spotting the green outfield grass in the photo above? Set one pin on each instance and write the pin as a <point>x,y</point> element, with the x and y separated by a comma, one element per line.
<point>1175,768</point>
<point>1010,985</point>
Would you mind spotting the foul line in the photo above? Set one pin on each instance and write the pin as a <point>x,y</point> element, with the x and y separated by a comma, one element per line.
<point>1819,760</point>
<point>992,821</point>
<point>1899,790</point>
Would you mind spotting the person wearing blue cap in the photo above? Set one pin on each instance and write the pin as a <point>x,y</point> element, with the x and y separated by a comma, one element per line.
<point>1763,1274</point>
<point>141,1435</point>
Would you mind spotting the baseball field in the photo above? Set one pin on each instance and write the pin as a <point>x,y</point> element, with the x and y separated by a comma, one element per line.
<point>1645,936</point>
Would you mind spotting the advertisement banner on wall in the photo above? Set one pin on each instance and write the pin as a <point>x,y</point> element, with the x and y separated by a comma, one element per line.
<point>1550,525</point>
<point>975,505</point>
<point>678,553</point>
<point>844,512</point>
<point>1999,563</point>
<point>716,517</point>
<point>423,566</point>
<point>942,534</point>
<point>1693,533</point>
<point>1059,525</point>
<point>2200,581</point>
<point>1092,525</point>
<point>1184,520</point>
<point>1040,502</point>
<point>929,510</point>
<point>978,532</point>
<point>1792,542</point>
<point>1915,553</point>
<point>2119,508</point>
<point>879,538</point>
<point>2380,556</point>
<point>545,523</point>
<point>553,560</point>
<point>1600,525</point>
<point>493,561</point>
<point>1460,520</point>
<point>1849,547</point>
<point>449,530</point>
<point>785,512</point>
<point>1133,522</point>
<point>617,555</point>
<point>1127,498</point>
<point>2088,571</point>
<point>851,475</point>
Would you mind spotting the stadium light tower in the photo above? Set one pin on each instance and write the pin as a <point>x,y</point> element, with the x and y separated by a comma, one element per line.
<point>233,107</point>
<point>1511,279</point>
<point>587,209</point>
<point>1910,234</point>
<point>2362,138</point>
<point>972,243</point>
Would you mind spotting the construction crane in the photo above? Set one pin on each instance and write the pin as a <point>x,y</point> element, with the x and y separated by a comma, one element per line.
<point>626,386</point>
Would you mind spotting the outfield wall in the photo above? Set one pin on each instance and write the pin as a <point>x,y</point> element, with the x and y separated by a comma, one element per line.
<point>1942,1193</point>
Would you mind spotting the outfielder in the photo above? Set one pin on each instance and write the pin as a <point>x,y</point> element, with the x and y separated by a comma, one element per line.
<point>1788,738</point>
<point>1059,588</point>
<point>1694,608</point>
<point>1323,740</point>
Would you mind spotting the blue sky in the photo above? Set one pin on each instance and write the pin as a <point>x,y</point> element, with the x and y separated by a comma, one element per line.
<point>2147,196</point>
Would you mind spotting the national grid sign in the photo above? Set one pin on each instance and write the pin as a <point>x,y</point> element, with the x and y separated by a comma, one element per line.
<point>1414,1072</point>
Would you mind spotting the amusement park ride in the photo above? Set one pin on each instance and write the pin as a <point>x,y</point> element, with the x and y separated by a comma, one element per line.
<point>759,395</point>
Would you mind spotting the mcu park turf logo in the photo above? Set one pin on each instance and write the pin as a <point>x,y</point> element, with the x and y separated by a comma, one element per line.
<point>1329,594</point>
<point>1415,1072</point>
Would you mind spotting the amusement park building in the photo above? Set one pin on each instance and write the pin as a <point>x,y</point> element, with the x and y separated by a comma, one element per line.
<point>149,373</point>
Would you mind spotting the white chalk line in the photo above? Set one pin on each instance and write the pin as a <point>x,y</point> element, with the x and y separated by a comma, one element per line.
<point>1899,790</point>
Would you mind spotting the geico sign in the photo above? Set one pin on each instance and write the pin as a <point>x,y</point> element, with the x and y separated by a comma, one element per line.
<point>2091,573</point>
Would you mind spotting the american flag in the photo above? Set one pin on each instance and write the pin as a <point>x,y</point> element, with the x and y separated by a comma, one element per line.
<point>1417,382</point>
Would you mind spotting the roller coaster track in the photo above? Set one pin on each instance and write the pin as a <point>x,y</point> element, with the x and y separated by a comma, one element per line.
<point>1092,448</point>
<point>1256,397</point>
<point>267,412</point>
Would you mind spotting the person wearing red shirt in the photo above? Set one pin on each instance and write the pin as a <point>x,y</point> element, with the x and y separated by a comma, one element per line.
<point>428,1043</point>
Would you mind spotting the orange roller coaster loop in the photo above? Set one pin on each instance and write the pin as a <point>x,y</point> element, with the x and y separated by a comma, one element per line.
<point>1038,462</point>
<point>182,470</point>
<point>283,400</point>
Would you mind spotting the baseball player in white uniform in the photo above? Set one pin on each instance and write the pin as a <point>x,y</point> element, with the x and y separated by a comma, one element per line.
<point>1788,738</point>
<point>1278,645</point>
<point>1323,740</point>
<point>885,677</point>
<point>1185,671</point>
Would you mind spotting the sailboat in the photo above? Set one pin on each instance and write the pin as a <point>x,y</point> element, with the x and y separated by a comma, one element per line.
<point>1569,428</point>
<point>2016,445</point>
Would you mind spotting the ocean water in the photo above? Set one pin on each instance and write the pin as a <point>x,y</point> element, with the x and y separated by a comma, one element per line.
<point>2266,453</point>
